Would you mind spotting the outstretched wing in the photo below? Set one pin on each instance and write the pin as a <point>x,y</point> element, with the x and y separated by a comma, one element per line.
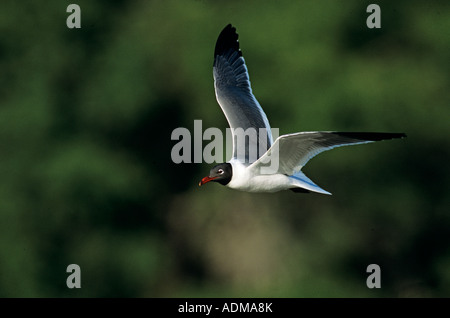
<point>293,151</point>
<point>235,97</point>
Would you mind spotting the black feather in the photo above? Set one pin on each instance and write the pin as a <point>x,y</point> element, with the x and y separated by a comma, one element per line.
<point>299,190</point>
<point>370,136</point>
<point>227,40</point>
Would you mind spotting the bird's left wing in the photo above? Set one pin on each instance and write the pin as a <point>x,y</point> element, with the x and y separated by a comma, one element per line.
<point>235,97</point>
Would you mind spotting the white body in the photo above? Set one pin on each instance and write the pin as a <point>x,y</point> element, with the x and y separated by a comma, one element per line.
<point>245,178</point>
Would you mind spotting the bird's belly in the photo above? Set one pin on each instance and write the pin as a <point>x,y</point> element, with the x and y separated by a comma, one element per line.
<point>263,183</point>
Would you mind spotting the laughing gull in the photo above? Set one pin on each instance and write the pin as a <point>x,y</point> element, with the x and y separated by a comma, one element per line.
<point>292,151</point>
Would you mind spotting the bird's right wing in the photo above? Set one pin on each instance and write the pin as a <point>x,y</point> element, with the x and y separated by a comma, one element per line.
<point>293,151</point>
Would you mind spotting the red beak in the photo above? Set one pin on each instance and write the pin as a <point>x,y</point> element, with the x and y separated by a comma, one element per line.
<point>206,180</point>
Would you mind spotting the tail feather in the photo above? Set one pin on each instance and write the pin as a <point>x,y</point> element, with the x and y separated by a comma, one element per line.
<point>300,180</point>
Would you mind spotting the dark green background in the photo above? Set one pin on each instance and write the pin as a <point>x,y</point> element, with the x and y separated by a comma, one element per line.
<point>86,174</point>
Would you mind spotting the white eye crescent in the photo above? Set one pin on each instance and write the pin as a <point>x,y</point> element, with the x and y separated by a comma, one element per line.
<point>220,171</point>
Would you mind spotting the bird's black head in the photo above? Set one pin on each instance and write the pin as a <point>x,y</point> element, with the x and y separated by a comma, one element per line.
<point>221,173</point>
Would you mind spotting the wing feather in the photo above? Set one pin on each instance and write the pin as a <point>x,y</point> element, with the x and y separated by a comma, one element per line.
<point>293,151</point>
<point>235,97</point>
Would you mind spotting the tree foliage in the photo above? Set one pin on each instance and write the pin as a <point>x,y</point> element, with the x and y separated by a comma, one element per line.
<point>85,140</point>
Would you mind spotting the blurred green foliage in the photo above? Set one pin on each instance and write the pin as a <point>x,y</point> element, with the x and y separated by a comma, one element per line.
<point>87,178</point>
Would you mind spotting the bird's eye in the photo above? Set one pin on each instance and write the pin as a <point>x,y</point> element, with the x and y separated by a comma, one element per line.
<point>220,171</point>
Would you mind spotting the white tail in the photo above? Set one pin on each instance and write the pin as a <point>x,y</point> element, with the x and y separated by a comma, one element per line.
<point>299,179</point>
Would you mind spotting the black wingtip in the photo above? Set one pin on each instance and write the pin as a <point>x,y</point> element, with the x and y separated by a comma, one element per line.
<point>371,136</point>
<point>227,40</point>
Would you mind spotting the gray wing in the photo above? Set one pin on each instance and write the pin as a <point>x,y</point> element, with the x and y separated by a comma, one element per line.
<point>293,151</point>
<point>234,95</point>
